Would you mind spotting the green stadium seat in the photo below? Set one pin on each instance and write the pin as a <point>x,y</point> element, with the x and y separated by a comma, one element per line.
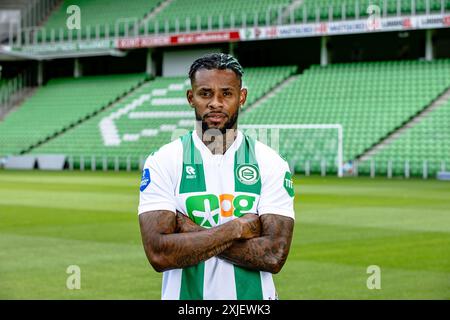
<point>369,99</point>
<point>427,142</point>
<point>100,13</point>
<point>69,101</point>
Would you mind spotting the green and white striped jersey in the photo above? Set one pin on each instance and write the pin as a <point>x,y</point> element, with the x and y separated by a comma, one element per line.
<point>211,189</point>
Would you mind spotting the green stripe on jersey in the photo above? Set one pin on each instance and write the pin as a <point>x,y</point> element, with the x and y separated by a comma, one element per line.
<point>192,282</point>
<point>193,176</point>
<point>248,284</point>
<point>246,169</point>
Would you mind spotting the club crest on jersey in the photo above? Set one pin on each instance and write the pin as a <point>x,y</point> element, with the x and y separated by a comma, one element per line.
<point>145,181</point>
<point>247,174</point>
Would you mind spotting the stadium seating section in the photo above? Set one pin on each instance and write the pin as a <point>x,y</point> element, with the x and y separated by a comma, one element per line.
<point>147,119</point>
<point>107,14</point>
<point>58,105</point>
<point>219,11</point>
<point>427,144</point>
<point>369,100</point>
<point>106,17</point>
<point>323,9</point>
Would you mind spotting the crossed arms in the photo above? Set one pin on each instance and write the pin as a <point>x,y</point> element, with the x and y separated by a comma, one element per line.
<point>173,241</point>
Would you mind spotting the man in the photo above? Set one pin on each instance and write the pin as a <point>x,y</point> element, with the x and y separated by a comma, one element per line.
<point>216,207</point>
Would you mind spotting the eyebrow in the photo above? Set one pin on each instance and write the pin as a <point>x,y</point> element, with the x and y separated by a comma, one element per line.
<point>210,89</point>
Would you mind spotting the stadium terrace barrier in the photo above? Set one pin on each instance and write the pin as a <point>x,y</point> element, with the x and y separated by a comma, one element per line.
<point>30,162</point>
<point>20,162</point>
<point>389,169</point>
<point>51,162</point>
<point>105,163</point>
<point>130,163</point>
<point>445,176</point>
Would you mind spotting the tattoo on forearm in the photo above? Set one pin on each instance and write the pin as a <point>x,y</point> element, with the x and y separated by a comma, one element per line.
<point>195,258</point>
<point>185,224</point>
<point>266,253</point>
<point>167,249</point>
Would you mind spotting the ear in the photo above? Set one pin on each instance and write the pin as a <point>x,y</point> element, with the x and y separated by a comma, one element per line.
<point>190,97</point>
<point>243,96</point>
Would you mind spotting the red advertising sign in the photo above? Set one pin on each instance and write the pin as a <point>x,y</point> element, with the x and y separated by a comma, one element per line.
<point>204,37</point>
<point>446,21</point>
<point>142,42</point>
<point>407,23</point>
<point>322,28</point>
<point>178,39</point>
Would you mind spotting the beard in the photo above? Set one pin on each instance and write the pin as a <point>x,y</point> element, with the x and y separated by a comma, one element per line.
<point>227,125</point>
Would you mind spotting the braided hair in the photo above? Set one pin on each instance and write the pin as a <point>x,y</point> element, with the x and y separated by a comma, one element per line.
<point>220,61</point>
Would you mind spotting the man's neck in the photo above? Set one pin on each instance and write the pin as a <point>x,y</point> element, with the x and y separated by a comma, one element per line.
<point>217,143</point>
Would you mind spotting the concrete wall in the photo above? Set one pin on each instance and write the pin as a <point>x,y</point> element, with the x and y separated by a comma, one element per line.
<point>177,63</point>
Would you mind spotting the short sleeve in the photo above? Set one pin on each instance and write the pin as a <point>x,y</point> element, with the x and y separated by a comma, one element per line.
<point>277,190</point>
<point>157,191</point>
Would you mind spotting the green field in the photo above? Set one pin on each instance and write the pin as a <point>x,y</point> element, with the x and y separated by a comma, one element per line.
<point>49,221</point>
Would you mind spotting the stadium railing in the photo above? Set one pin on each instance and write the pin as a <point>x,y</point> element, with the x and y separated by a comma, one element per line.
<point>426,169</point>
<point>9,88</point>
<point>271,14</point>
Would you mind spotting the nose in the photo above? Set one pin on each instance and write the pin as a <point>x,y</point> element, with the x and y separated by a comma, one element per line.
<point>216,102</point>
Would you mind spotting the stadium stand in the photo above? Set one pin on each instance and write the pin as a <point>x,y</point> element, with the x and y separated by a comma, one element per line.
<point>59,105</point>
<point>369,99</point>
<point>106,14</point>
<point>427,143</point>
<point>27,13</point>
<point>146,119</point>
<point>243,13</point>
<point>352,8</point>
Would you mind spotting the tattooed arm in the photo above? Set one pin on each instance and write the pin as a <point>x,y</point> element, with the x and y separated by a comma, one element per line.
<point>268,252</point>
<point>166,249</point>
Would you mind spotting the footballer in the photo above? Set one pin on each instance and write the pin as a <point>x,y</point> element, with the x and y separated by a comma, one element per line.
<point>216,206</point>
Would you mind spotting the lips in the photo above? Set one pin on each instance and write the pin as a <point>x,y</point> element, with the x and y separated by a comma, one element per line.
<point>215,116</point>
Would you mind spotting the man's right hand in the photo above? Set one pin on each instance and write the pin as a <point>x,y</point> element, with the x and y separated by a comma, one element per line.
<point>250,226</point>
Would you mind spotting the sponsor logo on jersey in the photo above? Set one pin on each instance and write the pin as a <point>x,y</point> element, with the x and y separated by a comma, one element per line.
<point>190,171</point>
<point>145,181</point>
<point>288,184</point>
<point>247,174</point>
<point>205,209</point>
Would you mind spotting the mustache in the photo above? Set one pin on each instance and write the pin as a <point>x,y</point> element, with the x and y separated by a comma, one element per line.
<point>215,112</point>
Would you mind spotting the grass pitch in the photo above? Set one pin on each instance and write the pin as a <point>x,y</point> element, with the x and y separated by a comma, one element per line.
<point>49,221</point>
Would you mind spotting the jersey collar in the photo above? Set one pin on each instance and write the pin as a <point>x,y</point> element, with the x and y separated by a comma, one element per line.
<point>206,152</point>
